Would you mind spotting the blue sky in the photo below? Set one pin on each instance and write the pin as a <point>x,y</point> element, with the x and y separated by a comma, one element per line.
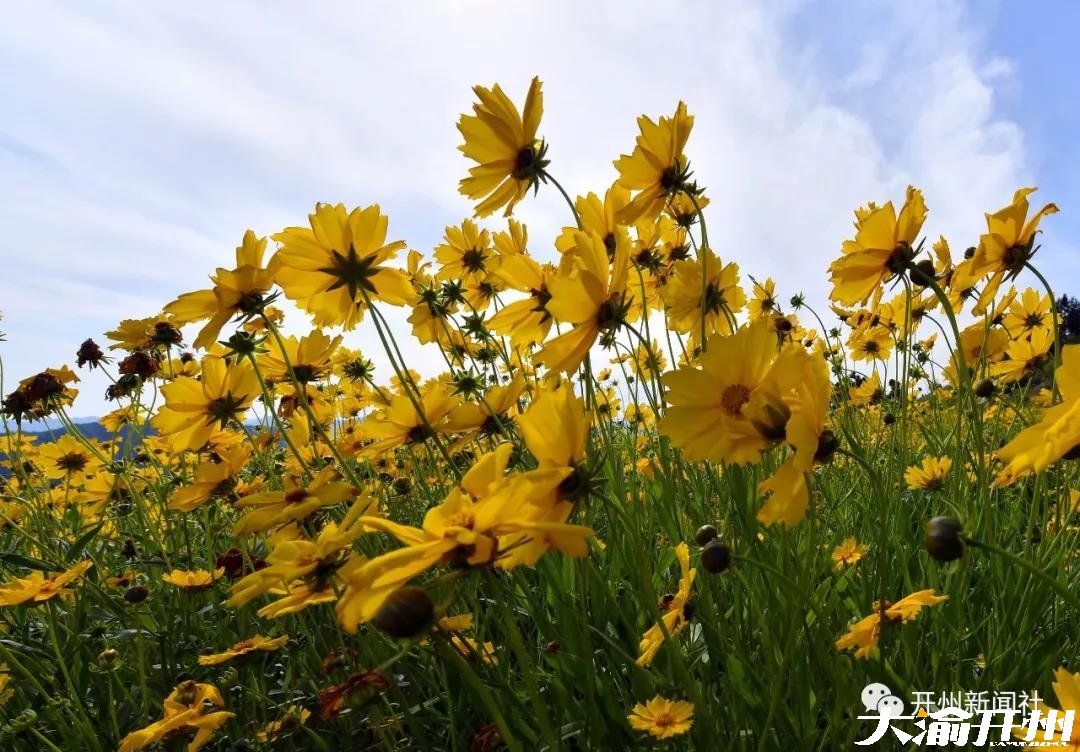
<point>139,141</point>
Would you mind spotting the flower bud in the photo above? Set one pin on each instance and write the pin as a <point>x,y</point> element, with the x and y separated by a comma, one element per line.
<point>406,613</point>
<point>136,594</point>
<point>943,540</point>
<point>108,655</point>
<point>705,534</point>
<point>715,557</point>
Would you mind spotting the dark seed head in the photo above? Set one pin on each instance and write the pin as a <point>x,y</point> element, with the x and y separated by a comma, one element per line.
<point>136,594</point>
<point>704,534</point>
<point>716,557</point>
<point>943,539</point>
<point>985,389</point>
<point>406,613</point>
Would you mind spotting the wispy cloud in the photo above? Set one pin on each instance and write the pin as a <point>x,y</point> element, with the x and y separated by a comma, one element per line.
<point>141,141</point>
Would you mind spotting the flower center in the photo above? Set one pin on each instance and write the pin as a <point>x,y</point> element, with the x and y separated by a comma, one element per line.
<point>733,399</point>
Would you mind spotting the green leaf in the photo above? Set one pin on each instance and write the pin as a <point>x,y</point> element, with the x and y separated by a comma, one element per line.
<point>78,546</point>
<point>28,562</point>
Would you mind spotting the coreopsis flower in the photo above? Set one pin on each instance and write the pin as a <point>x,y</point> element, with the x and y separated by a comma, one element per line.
<point>870,343</point>
<point>237,292</point>
<point>328,269</point>
<point>195,580</point>
<point>662,718</point>
<point>1024,356</point>
<point>294,717</point>
<point>864,634</point>
<point>867,392</point>
<point>799,416</point>
<point>41,394</point>
<point>466,253</point>
<point>657,170</point>
<point>1031,312</point>
<point>502,141</point>
<point>37,588</point>
<point>1008,244</point>
<point>146,334</point>
<point>1037,447</point>
<point>69,459</point>
<point>763,304</point>
<point>1055,725</point>
<point>677,611</point>
<point>187,712</point>
<point>490,415</point>
<point>596,215</point>
<point>683,210</point>
<point>555,430</point>
<point>244,647</point>
<point>308,570</point>
<point>297,501</point>
<point>707,415</point>
<point>592,297</point>
<point>195,408</point>
<point>307,359</point>
<point>714,295</point>
<point>213,480</point>
<point>480,522</point>
<point>849,552</point>
<point>525,322</point>
<point>400,424</point>
<point>883,247</point>
<point>356,691</point>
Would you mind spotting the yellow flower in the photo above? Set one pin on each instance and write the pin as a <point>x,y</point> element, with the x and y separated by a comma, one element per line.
<point>245,647</point>
<point>707,416</point>
<point>185,711</point>
<point>850,551</point>
<point>930,476</point>
<point>1008,244</point>
<point>198,579</point>
<point>1029,313</point>
<point>527,321</point>
<point>236,292</point>
<point>1026,356</point>
<point>400,423</point>
<point>310,569</point>
<point>488,519</point>
<point>662,718</point>
<point>490,415</point>
<point>37,588</point>
<point>1066,687</point>
<point>863,634</point>
<point>657,169</point>
<point>1037,447</point>
<point>294,503</point>
<point>883,247</point>
<point>310,357</point>
<point>592,296</point>
<point>805,399</point>
<point>294,716</point>
<point>510,159</point>
<point>764,301</point>
<point>722,297</point>
<point>465,254</point>
<point>328,269</point>
<point>867,392</point>
<point>68,458</point>
<point>676,616</point>
<point>195,407</point>
<point>871,343</point>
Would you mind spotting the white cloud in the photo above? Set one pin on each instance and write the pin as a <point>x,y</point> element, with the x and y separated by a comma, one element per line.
<point>145,139</point>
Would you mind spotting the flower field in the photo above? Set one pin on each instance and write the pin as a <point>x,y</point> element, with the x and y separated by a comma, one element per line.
<point>649,501</point>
